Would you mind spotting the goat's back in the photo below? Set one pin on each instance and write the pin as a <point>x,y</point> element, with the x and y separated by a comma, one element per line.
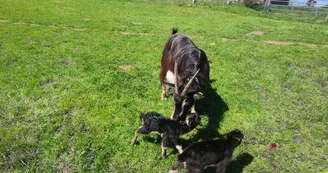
<point>181,49</point>
<point>204,153</point>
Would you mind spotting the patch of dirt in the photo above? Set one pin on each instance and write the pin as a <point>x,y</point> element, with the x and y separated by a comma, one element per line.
<point>78,29</point>
<point>225,39</point>
<point>51,26</point>
<point>136,23</point>
<point>322,83</point>
<point>65,62</point>
<point>320,21</point>
<point>125,33</point>
<point>64,167</point>
<point>20,23</point>
<point>35,24</point>
<point>29,42</point>
<point>125,67</point>
<point>47,82</point>
<point>289,43</point>
<point>257,32</point>
<point>135,33</point>
<point>278,42</point>
<point>212,44</point>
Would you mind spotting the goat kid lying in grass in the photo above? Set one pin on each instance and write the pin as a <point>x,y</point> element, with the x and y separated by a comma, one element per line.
<point>197,156</point>
<point>168,129</point>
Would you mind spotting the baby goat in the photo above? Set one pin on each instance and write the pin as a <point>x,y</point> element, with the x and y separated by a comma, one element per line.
<point>168,129</point>
<point>218,152</point>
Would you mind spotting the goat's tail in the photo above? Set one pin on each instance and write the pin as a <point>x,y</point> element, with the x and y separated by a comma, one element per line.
<point>174,30</point>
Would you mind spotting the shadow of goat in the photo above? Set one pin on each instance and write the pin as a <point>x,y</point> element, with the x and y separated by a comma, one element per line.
<point>236,165</point>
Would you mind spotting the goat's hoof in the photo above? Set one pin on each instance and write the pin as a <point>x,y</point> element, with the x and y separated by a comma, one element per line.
<point>133,142</point>
<point>164,155</point>
<point>163,96</point>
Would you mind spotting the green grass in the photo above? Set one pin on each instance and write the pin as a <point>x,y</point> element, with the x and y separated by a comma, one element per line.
<point>66,105</point>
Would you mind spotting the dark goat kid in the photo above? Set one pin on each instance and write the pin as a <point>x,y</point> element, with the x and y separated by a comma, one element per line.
<point>218,152</point>
<point>167,128</point>
<point>185,68</point>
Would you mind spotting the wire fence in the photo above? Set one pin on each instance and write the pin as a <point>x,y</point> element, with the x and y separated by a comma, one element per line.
<point>316,9</point>
<point>192,2</point>
<point>310,8</point>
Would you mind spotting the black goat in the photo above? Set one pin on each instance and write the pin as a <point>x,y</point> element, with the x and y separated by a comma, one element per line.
<point>167,128</point>
<point>185,68</point>
<point>218,152</point>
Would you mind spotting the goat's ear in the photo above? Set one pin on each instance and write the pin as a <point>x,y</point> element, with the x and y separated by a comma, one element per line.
<point>198,95</point>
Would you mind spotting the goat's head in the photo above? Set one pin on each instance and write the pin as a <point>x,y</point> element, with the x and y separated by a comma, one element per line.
<point>194,120</point>
<point>185,99</point>
<point>236,136</point>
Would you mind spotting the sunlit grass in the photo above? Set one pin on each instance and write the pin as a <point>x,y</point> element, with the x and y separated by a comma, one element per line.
<point>75,75</point>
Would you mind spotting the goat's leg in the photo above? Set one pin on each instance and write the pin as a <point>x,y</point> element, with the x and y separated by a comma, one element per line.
<point>141,130</point>
<point>165,141</point>
<point>176,166</point>
<point>222,165</point>
<point>186,105</point>
<point>193,168</point>
<point>193,108</point>
<point>177,146</point>
<point>164,90</point>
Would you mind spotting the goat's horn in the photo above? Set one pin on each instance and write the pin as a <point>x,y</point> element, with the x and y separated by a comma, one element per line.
<point>176,85</point>
<point>188,84</point>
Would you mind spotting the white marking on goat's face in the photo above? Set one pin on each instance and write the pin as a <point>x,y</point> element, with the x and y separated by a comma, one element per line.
<point>184,103</point>
<point>156,132</point>
<point>179,148</point>
<point>209,166</point>
<point>185,164</point>
<point>170,77</point>
<point>187,121</point>
<point>193,109</point>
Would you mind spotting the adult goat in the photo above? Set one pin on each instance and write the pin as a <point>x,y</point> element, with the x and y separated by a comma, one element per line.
<point>185,68</point>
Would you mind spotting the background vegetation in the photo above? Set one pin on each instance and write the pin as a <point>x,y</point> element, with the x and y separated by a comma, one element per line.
<point>75,75</point>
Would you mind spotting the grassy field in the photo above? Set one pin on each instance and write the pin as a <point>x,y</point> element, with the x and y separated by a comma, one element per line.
<point>75,75</point>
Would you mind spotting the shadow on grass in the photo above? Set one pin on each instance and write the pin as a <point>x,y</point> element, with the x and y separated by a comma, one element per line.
<point>236,165</point>
<point>214,107</point>
<point>156,139</point>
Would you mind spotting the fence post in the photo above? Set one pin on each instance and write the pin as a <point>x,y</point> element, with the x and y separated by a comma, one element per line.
<point>266,5</point>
